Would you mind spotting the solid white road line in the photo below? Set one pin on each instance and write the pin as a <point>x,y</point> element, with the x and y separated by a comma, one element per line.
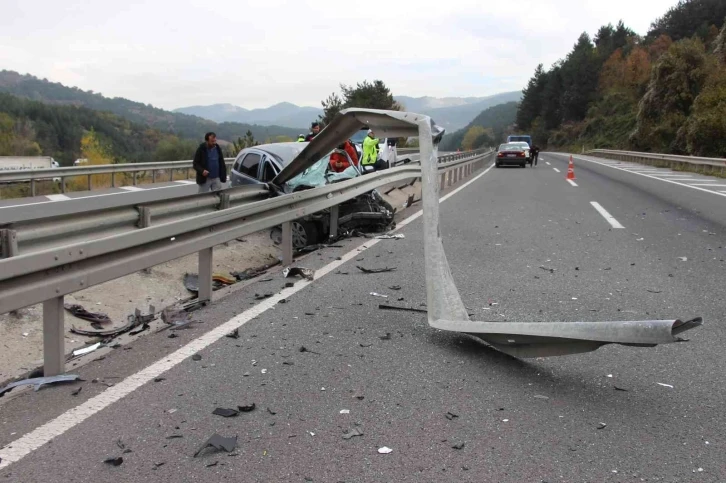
<point>721,185</point>
<point>719,193</point>
<point>606,215</point>
<point>571,182</point>
<point>29,442</point>
<point>58,197</point>
<point>556,169</point>
<point>185,181</point>
<point>131,188</point>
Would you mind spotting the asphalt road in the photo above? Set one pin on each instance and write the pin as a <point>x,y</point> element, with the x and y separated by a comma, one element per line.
<point>617,414</point>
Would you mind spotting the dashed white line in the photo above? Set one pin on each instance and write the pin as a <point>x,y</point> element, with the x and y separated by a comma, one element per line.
<point>571,182</point>
<point>548,163</point>
<point>22,447</point>
<point>556,169</point>
<point>131,188</point>
<point>608,217</point>
<point>57,197</point>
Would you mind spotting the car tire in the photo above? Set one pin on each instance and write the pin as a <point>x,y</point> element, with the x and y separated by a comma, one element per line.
<point>497,165</point>
<point>304,233</point>
<point>523,165</point>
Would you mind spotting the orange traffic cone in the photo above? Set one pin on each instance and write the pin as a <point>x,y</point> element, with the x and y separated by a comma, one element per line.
<point>571,169</point>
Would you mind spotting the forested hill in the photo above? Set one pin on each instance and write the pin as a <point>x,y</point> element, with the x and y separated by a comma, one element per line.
<point>489,128</point>
<point>182,125</point>
<point>663,92</point>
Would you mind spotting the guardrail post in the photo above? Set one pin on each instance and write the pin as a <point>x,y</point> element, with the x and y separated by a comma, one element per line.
<point>334,221</point>
<point>153,176</point>
<point>171,174</point>
<point>442,182</point>
<point>63,184</point>
<point>113,180</point>
<point>53,337</point>
<point>224,201</point>
<point>32,187</point>
<point>8,244</point>
<point>206,259</point>
<point>89,183</point>
<point>135,173</point>
<point>287,257</point>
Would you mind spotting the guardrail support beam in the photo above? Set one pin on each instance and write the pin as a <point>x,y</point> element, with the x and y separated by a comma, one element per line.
<point>8,244</point>
<point>113,180</point>
<point>32,187</point>
<point>89,183</point>
<point>334,211</point>
<point>206,264</point>
<point>287,257</point>
<point>53,337</point>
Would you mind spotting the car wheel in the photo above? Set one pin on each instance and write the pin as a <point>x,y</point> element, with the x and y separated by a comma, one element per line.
<point>497,165</point>
<point>304,233</point>
<point>523,165</point>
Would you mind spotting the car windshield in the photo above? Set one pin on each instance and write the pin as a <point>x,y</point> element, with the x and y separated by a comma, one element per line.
<point>524,145</point>
<point>319,175</point>
<point>519,138</point>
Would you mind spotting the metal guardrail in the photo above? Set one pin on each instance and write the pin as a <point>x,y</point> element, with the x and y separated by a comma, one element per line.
<point>35,175</point>
<point>42,267</point>
<point>640,157</point>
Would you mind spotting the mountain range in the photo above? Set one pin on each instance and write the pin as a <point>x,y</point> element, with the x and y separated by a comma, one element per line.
<point>450,112</point>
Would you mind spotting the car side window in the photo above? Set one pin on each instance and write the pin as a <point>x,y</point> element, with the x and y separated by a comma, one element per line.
<point>268,172</point>
<point>250,164</point>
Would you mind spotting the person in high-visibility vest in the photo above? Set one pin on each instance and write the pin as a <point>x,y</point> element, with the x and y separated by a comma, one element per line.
<point>370,152</point>
<point>300,138</point>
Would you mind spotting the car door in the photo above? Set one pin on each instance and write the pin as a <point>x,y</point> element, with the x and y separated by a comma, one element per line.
<point>246,167</point>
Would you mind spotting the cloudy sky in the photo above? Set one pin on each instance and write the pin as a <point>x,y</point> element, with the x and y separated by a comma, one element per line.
<point>174,53</point>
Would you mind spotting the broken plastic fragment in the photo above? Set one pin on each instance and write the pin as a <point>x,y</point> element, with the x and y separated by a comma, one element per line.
<point>353,433</point>
<point>248,408</point>
<point>234,334</point>
<point>375,270</point>
<point>86,350</point>
<point>219,443</point>
<point>37,382</point>
<point>345,411</point>
<point>459,445</point>
<point>385,450</point>
<point>379,295</point>
<point>451,416</point>
<point>405,309</point>
<point>399,236</point>
<point>306,273</point>
<point>82,313</point>
<point>665,385</point>
<point>225,413</point>
<point>114,461</point>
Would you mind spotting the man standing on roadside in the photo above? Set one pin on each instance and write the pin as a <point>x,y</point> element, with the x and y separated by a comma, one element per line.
<point>209,165</point>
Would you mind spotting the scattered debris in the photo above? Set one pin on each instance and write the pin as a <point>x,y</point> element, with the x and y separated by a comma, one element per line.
<point>654,291</point>
<point>618,388</point>
<point>385,450</point>
<point>451,416</point>
<point>375,270</point>
<point>406,309</point>
<point>379,295</point>
<point>271,411</point>
<point>398,236</point>
<point>114,461</point>
<point>539,396</point>
<point>86,350</point>
<point>385,337</point>
<point>196,357</point>
<point>263,296</point>
<point>77,391</point>
<point>234,334</point>
<point>305,273</point>
<point>212,464</point>
<point>304,349</point>
<point>220,443</point>
<point>459,445</point>
<point>394,287</point>
<point>37,382</point>
<point>365,345</point>
<point>96,318</point>
<point>225,413</point>
<point>345,411</point>
<point>665,385</point>
<point>120,444</point>
<point>248,274</point>
<point>683,259</point>
<point>547,269</point>
<point>134,321</point>
<point>601,426</point>
<point>175,436</point>
<point>159,379</point>
<point>247,409</point>
<point>353,433</point>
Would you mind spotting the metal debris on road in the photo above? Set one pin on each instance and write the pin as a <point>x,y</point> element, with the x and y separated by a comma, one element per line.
<point>601,426</point>
<point>234,334</point>
<point>225,412</point>
<point>385,337</point>
<point>405,309</point>
<point>159,379</point>
<point>247,409</point>
<point>77,391</point>
<point>86,350</point>
<point>271,411</point>
<point>451,416</point>
<point>548,269</point>
<point>539,396</point>
<point>220,443</point>
<point>305,273</point>
<point>379,295</point>
<point>345,411</point>
<point>263,296</point>
<point>664,385</point>
<point>394,287</point>
<point>654,291</point>
<point>618,388</point>
<point>248,274</point>
<point>375,270</point>
<point>134,321</point>
<point>175,436</point>
<point>196,357</point>
<point>353,433</point>
<point>96,318</point>
<point>305,349</point>
<point>385,450</point>
<point>459,445</point>
<point>114,461</point>
<point>399,236</point>
<point>38,382</point>
<point>683,259</point>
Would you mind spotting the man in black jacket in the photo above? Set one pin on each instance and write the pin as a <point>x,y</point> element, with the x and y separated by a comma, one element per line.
<point>209,165</point>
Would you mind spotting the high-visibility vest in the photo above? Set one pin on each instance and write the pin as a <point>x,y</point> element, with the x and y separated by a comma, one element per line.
<point>370,150</point>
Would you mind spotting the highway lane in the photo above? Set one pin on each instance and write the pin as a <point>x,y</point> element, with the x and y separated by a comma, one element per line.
<point>523,244</point>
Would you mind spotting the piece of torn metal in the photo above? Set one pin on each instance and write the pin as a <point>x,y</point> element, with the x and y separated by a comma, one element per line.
<point>38,382</point>
<point>305,273</point>
<point>248,274</point>
<point>352,433</point>
<point>86,350</point>
<point>375,294</point>
<point>114,461</point>
<point>404,309</point>
<point>219,443</point>
<point>93,317</point>
<point>134,320</point>
<point>397,236</point>
<point>375,270</point>
<point>446,310</point>
<point>247,408</point>
<point>225,412</point>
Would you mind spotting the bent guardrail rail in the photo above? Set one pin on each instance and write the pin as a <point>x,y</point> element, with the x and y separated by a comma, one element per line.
<point>671,159</point>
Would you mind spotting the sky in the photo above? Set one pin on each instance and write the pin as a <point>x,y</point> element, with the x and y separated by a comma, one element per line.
<point>177,53</point>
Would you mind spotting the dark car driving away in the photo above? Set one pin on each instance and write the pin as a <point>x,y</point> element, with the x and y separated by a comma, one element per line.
<point>511,153</point>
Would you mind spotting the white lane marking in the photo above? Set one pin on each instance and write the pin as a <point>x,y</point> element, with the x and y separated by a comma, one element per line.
<point>185,181</point>
<point>29,442</point>
<point>713,185</point>
<point>58,197</point>
<point>556,169</point>
<point>606,215</point>
<point>548,163</point>
<point>719,193</point>
<point>676,175</point>
<point>131,188</point>
<point>571,182</point>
